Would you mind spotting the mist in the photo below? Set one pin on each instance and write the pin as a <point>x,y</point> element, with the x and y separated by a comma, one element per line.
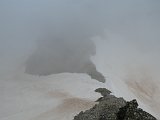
<point>56,36</point>
<point>100,38</point>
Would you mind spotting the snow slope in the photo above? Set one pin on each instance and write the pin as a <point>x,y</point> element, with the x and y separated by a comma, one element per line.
<point>128,55</point>
<point>129,72</point>
<point>53,97</point>
<point>61,96</point>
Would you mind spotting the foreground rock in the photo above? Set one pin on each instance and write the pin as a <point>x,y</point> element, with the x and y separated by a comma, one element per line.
<point>113,108</point>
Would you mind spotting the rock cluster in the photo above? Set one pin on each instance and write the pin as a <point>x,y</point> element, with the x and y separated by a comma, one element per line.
<point>113,108</point>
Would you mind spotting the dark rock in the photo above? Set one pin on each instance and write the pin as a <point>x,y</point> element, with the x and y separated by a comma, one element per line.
<point>131,112</point>
<point>113,108</point>
<point>104,92</point>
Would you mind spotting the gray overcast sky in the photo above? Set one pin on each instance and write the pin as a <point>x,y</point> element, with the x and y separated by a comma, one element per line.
<point>23,22</point>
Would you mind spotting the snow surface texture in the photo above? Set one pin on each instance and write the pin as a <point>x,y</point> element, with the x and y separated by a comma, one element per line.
<point>127,45</point>
<point>62,96</point>
<point>53,97</point>
<point>129,72</point>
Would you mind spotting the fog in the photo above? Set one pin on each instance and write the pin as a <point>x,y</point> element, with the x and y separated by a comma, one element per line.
<point>101,38</point>
<point>56,36</point>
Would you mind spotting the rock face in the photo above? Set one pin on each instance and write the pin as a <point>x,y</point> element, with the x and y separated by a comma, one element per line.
<point>131,112</point>
<point>113,108</point>
<point>62,54</point>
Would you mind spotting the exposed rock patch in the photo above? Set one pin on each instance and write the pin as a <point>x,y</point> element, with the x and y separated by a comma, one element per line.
<point>113,108</point>
<point>57,54</point>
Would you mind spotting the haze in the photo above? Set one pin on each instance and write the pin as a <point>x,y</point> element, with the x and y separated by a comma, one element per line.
<point>111,41</point>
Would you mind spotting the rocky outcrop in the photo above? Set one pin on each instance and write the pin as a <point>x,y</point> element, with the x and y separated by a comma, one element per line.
<point>113,108</point>
<point>59,54</point>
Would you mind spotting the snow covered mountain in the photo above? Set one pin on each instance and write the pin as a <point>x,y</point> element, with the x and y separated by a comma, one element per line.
<point>52,54</point>
<point>61,96</point>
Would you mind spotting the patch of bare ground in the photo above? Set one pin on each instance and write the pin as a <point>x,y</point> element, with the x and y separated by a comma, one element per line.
<point>69,107</point>
<point>145,90</point>
<point>57,94</point>
<point>74,104</point>
<point>148,92</point>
